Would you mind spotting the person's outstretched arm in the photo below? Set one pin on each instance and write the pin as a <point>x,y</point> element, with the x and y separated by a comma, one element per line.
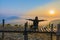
<point>30,19</point>
<point>41,20</point>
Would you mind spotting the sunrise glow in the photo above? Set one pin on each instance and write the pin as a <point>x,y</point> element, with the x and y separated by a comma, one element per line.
<point>51,11</point>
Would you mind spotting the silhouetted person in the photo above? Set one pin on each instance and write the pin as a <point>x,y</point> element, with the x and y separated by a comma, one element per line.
<point>35,22</point>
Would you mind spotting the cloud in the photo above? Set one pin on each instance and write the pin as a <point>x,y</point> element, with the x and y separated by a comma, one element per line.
<point>42,12</point>
<point>12,18</point>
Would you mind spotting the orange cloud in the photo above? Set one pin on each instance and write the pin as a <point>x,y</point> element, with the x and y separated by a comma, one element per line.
<point>42,12</point>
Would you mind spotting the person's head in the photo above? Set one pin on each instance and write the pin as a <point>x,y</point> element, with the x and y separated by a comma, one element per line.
<point>36,17</point>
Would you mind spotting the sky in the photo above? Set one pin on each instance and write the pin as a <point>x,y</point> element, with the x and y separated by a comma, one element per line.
<point>15,11</point>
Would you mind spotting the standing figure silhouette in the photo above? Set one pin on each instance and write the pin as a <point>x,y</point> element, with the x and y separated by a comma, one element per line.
<point>35,22</point>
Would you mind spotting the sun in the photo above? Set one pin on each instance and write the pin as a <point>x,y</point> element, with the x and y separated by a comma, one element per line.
<point>52,12</point>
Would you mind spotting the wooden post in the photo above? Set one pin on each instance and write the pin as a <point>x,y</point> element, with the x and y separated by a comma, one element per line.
<point>3,22</point>
<point>25,31</point>
<point>58,32</point>
<point>51,31</point>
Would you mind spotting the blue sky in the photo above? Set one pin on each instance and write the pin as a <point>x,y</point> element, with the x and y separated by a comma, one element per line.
<point>12,9</point>
<point>22,4</point>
